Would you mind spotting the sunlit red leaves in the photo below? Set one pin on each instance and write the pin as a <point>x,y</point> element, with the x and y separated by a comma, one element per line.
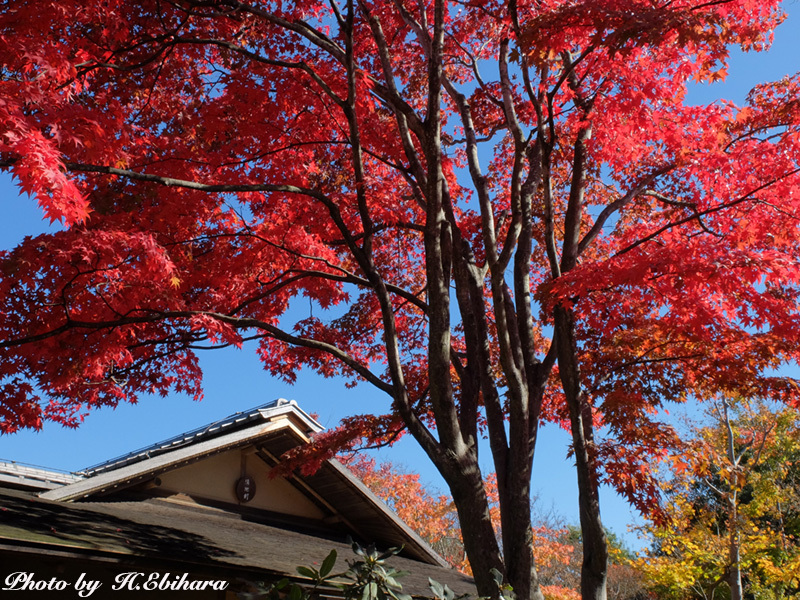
<point>353,433</point>
<point>112,278</point>
<point>623,28</point>
<point>690,288</point>
<point>39,171</point>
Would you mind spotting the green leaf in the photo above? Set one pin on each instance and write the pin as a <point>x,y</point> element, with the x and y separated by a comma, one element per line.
<point>296,593</point>
<point>306,572</point>
<point>327,564</point>
<point>436,588</point>
<point>390,552</point>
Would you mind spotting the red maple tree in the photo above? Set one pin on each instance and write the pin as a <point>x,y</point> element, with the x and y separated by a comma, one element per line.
<point>508,208</point>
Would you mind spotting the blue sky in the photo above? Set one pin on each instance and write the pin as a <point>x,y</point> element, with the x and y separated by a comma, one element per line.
<point>234,379</point>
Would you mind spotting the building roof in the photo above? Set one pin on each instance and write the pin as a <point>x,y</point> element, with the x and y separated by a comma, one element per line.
<point>235,431</point>
<point>271,430</point>
<point>234,422</point>
<point>20,475</point>
<point>117,513</point>
<point>169,535</point>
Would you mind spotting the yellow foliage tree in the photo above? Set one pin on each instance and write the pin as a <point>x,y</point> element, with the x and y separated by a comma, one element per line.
<point>731,521</point>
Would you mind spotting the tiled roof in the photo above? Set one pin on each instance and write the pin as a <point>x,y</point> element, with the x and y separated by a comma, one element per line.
<point>229,424</point>
<point>32,477</point>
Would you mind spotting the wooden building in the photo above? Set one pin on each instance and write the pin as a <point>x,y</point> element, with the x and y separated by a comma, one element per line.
<point>199,507</point>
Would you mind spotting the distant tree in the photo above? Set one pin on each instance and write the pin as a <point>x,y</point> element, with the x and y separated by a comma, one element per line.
<point>732,527</point>
<point>625,580</point>
<point>499,212</point>
<point>433,516</point>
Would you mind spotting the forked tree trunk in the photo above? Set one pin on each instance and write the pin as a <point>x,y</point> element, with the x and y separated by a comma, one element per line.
<point>515,562</point>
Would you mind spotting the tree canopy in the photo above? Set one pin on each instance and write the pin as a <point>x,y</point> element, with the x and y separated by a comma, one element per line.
<point>503,211</point>
<point>732,508</point>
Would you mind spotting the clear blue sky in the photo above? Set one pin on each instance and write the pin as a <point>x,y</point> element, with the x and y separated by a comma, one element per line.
<point>234,379</point>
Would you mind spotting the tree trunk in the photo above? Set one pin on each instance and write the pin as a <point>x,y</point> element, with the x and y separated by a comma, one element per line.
<point>594,569</point>
<point>518,546</point>
<point>480,541</point>
<point>481,545</point>
<point>515,497</point>
<point>734,570</point>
